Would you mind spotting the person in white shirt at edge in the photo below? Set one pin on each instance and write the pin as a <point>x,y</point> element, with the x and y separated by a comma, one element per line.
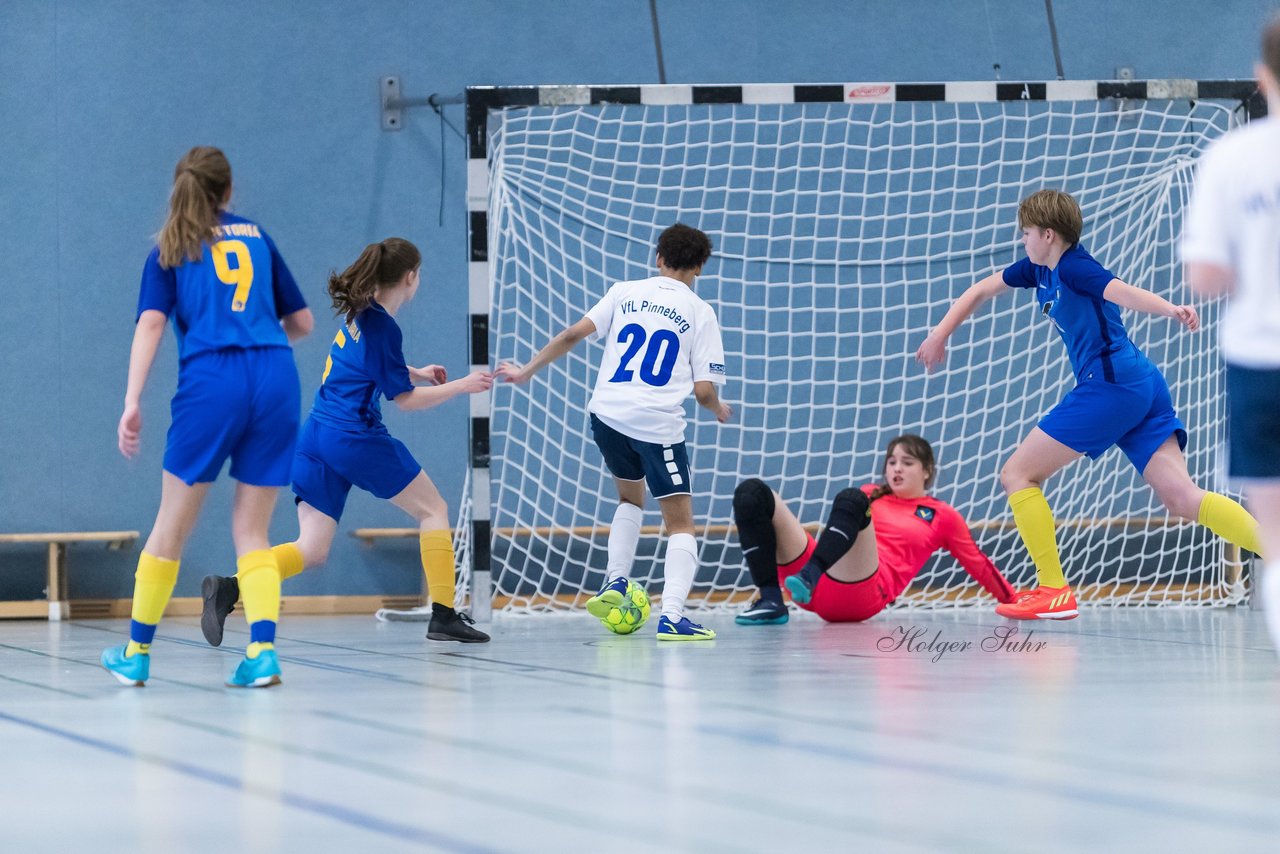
<point>1231,248</point>
<point>661,342</point>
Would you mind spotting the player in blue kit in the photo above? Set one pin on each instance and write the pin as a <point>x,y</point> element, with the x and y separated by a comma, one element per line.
<point>344,442</point>
<point>1120,397</point>
<point>235,308</point>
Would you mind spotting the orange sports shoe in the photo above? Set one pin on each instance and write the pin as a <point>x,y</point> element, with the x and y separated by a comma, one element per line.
<point>1043,603</point>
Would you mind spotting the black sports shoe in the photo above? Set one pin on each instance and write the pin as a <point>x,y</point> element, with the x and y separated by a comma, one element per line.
<point>450,625</point>
<point>763,612</point>
<point>220,595</point>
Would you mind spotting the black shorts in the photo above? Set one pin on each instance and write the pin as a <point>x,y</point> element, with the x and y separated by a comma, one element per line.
<point>1253,423</point>
<point>664,467</point>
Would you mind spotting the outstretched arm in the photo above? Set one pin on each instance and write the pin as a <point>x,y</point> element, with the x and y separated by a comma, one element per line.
<point>933,351</point>
<point>959,541</point>
<point>1127,296</point>
<point>425,397</point>
<point>557,347</point>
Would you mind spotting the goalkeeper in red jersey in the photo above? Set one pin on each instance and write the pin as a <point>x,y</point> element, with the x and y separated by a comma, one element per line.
<point>876,539</point>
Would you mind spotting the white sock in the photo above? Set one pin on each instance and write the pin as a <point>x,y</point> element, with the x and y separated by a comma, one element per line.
<point>679,569</point>
<point>1270,590</point>
<point>624,536</point>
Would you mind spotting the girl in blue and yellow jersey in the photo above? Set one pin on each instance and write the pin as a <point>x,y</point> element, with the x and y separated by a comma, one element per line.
<point>235,309</point>
<point>344,442</point>
<point>1120,397</point>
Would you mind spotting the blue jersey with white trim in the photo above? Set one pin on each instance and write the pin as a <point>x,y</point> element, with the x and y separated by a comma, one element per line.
<point>365,361</point>
<point>233,296</point>
<point>1070,295</point>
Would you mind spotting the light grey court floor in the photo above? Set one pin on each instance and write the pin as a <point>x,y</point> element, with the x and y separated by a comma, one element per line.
<point>1128,730</point>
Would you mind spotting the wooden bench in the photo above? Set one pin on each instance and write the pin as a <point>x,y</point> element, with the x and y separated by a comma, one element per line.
<point>58,608</point>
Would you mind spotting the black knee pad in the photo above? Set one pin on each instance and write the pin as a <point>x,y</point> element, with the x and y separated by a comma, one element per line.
<point>753,502</point>
<point>854,503</point>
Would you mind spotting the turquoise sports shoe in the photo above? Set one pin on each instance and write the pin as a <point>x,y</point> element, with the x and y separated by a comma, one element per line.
<point>609,597</point>
<point>260,672</point>
<point>682,630</point>
<point>131,670</point>
<point>799,587</point>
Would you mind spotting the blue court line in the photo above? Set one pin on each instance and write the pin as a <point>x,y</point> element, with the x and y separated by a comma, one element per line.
<point>326,809</point>
<point>98,664</point>
<point>743,801</point>
<point>1162,807</point>
<point>1068,791</point>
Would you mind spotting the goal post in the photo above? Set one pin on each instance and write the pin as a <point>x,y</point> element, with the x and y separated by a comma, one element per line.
<point>845,218</point>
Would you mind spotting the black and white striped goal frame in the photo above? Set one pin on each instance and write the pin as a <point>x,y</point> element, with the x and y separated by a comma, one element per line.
<point>482,100</point>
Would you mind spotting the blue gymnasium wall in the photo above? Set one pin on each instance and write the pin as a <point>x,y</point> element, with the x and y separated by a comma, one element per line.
<point>98,100</point>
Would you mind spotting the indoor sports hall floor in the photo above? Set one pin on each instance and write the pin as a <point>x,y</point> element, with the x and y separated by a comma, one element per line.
<point>1128,730</point>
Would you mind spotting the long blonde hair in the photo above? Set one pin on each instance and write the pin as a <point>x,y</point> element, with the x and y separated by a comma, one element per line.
<point>200,183</point>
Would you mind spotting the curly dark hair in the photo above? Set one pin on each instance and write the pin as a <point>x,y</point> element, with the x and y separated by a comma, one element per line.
<point>682,247</point>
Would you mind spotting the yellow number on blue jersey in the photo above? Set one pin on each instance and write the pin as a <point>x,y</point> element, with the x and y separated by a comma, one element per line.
<point>241,276</point>
<point>341,341</point>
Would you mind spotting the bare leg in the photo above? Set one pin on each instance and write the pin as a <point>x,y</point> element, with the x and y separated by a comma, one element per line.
<point>861,561</point>
<point>316,531</point>
<point>1167,474</point>
<point>251,517</point>
<point>791,535</point>
<point>179,509</point>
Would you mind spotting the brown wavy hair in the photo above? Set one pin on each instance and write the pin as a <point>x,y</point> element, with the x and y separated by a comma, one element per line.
<point>200,183</point>
<point>380,264</point>
<point>917,447</point>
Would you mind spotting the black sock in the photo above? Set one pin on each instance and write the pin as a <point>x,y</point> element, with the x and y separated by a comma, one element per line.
<point>753,514</point>
<point>441,611</point>
<point>850,513</point>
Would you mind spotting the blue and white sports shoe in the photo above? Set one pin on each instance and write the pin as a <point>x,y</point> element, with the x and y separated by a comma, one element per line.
<point>609,597</point>
<point>683,629</point>
<point>132,670</point>
<point>260,672</point>
<point>763,612</point>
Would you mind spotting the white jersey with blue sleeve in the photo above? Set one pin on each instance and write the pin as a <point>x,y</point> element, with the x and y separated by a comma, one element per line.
<point>660,338</point>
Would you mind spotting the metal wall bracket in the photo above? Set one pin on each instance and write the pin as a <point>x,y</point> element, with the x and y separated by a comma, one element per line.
<point>394,104</point>
<point>389,90</point>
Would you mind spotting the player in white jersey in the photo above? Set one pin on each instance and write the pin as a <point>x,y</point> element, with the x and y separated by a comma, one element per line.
<point>662,341</point>
<point>1231,247</point>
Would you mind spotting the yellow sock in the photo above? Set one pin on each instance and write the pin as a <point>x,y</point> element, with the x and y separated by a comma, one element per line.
<point>152,587</point>
<point>1034,519</point>
<point>259,577</point>
<point>437,563</point>
<point>289,559</point>
<point>1229,520</point>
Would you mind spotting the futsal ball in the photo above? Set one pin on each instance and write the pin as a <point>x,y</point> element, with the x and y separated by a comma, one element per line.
<point>631,614</point>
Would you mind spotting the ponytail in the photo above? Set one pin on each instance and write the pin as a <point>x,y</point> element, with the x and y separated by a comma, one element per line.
<point>379,265</point>
<point>200,183</point>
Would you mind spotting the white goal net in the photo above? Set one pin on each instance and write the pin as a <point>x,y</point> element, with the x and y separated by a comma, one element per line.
<point>841,232</point>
